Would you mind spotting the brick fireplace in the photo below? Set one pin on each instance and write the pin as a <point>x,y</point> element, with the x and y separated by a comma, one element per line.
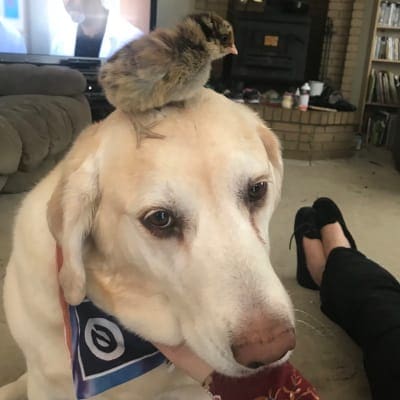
<point>315,134</point>
<point>347,17</point>
<point>311,135</point>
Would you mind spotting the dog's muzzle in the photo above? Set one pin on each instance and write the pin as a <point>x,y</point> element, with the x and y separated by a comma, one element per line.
<point>263,342</point>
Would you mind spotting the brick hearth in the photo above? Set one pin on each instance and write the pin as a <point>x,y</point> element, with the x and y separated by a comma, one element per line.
<point>312,135</point>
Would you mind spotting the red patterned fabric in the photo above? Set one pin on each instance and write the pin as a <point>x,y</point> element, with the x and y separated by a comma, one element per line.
<point>281,383</point>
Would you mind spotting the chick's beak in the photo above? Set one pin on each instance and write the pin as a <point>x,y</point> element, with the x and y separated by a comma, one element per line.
<point>233,50</point>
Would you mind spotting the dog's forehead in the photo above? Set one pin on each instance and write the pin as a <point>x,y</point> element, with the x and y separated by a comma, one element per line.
<point>211,127</point>
<point>212,143</point>
<point>208,138</point>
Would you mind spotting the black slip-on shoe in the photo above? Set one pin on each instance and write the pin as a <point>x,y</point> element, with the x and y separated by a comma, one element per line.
<point>305,225</point>
<point>328,213</point>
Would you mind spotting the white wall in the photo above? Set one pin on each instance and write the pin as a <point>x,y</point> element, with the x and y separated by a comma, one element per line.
<point>169,12</point>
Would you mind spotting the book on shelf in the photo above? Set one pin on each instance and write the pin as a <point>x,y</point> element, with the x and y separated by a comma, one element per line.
<point>396,48</point>
<point>378,45</point>
<point>382,127</point>
<point>371,87</point>
<point>377,126</point>
<point>392,14</point>
<point>392,129</point>
<point>383,88</point>
<point>397,84</point>
<point>386,89</point>
<point>387,48</point>
<point>383,13</point>
<point>379,87</point>
<point>389,13</point>
<point>368,131</point>
<point>394,96</point>
<point>381,51</point>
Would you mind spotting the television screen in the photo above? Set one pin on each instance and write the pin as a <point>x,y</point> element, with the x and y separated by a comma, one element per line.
<point>72,28</point>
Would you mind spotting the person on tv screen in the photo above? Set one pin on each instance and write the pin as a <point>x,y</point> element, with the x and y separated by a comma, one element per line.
<point>96,31</point>
<point>11,41</point>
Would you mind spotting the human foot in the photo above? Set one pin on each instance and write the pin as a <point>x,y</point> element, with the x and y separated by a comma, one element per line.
<point>315,259</point>
<point>328,213</point>
<point>332,237</point>
<point>306,233</point>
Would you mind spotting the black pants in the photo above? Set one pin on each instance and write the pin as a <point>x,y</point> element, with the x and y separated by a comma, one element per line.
<point>364,299</point>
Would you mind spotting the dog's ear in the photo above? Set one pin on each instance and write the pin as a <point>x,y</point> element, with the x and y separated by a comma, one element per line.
<point>274,153</point>
<point>70,214</point>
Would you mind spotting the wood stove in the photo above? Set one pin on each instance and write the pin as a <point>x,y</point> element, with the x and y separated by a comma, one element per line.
<point>272,39</point>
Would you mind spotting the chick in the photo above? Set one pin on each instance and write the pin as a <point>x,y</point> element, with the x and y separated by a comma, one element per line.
<point>166,66</point>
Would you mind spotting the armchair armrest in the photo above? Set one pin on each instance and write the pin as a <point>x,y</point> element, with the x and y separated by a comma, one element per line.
<point>52,80</point>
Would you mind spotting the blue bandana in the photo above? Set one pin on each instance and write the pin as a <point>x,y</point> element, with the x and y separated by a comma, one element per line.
<point>103,353</point>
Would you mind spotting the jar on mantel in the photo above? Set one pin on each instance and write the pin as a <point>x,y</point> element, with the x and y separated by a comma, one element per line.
<point>304,97</point>
<point>287,101</point>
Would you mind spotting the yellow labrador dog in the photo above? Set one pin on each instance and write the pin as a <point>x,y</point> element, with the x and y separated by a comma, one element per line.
<point>170,237</point>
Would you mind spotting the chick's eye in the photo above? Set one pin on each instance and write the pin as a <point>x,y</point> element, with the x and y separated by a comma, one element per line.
<point>257,191</point>
<point>159,219</point>
<point>224,39</point>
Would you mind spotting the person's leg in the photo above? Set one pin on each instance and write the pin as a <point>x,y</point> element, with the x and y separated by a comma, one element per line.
<point>357,294</point>
<point>309,224</point>
<point>315,258</point>
<point>364,299</point>
<point>316,251</point>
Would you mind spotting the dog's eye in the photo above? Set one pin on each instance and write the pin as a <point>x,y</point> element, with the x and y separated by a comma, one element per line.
<point>162,223</point>
<point>161,219</point>
<point>257,191</point>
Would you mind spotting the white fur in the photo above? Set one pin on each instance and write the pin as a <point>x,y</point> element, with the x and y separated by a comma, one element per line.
<point>199,290</point>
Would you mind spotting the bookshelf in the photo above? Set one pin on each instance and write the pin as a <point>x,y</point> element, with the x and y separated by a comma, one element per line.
<point>383,60</point>
<point>387,28</point>
<point>381,95</point>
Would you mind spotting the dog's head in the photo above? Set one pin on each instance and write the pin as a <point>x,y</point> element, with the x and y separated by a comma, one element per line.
<point>171,237</point>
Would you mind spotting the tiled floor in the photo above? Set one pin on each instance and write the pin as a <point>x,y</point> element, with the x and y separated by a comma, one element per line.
<point>368,190</point>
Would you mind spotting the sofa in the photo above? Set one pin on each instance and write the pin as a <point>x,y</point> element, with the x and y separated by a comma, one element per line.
<point>42,110</point>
